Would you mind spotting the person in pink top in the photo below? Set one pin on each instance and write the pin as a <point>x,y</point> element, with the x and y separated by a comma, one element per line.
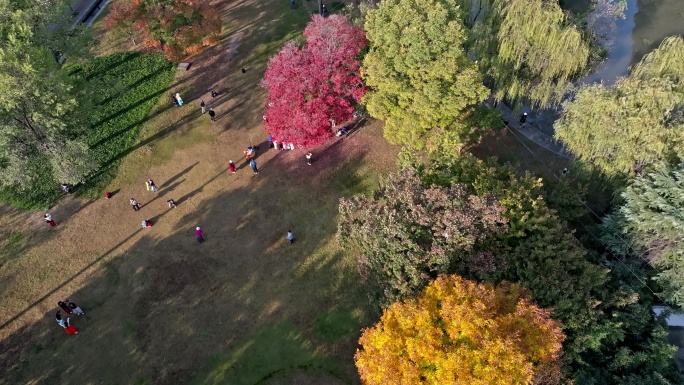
<point>231,167</point>
<point>198,234</point>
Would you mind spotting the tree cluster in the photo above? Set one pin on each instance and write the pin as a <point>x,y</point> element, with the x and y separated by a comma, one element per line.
<point>428,61</point>
<point>604,312</point>
<point>41,106</point>
<point>179,28</point>
<point>638,121</point>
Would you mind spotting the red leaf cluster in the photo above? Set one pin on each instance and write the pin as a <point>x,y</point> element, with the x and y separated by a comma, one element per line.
<point>311,86</point>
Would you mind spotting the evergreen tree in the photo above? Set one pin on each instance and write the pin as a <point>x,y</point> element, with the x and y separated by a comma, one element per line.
<point>651,221</point>
<point>637,122</point>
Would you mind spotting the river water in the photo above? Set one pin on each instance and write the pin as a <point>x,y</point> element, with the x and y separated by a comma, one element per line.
<point>646,24</point>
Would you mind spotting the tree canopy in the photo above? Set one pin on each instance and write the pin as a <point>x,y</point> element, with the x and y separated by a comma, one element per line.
<point>530,50</point>
<point>311,86</point>
<point>41,106</point>
<point>409,233</point>
<point>459,332</point>
<point>179,28</point>
<point>651,221</point>
<point>638,121</point>
<point>419,74</point>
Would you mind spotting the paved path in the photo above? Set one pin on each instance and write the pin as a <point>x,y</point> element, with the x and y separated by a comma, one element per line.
<point>530,130</point>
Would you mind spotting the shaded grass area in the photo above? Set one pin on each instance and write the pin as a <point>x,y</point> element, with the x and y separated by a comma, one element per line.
<point>130,85</point>
<point>125,87</point>
<point>270,352</point>
<point>242,308</point>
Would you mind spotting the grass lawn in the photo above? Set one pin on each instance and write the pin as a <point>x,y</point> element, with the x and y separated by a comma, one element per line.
<point>127,86</point>
<point>244,307</point>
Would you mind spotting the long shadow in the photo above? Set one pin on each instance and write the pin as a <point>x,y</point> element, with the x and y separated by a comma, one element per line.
<point>60,285</point>
<point>158,135</point>
<point>112,66</point>
<point>130,107</point>
<point>137,83</point>
<point>180,174</point>
<point>170,291</point>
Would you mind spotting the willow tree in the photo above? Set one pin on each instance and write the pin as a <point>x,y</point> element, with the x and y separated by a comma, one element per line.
<point>41,106</point>
<point>419,75</point>
<point>638,121</point>
<point>529,49</point>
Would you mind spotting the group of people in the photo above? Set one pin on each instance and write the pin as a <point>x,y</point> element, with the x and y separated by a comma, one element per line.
<point>69,308</point>
<point>178,102</point>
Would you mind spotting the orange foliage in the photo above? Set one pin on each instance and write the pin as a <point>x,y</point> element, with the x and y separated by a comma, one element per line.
<point>462,332</point>
<point>159,24</point>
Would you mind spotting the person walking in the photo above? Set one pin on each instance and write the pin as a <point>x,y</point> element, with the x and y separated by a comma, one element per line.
<point>151,186</point>
<point>48,220</point>
<point>76,309</point>
<point>523,118</point>
<point>308,158</point>
<point>253,165</point>
<point>172,203</point>
<point>231,166</point>
<point>198,234</point>
<point>179,99</point>
<point>64,307</point>
<point>202,106</point>
<point>290,236</point>
<point>135,204</point>
<point>174,100</point>
<point>292,4</point>
<point>212,115</point>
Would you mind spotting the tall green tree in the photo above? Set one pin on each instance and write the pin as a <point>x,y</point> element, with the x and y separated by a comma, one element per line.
<point>529,49</point>
<point>650,224</point>
<point>42,109</point>
<point>638,121</point>
<point>417,69</point>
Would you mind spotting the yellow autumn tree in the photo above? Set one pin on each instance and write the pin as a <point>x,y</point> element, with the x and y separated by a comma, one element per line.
<point>462,332</point>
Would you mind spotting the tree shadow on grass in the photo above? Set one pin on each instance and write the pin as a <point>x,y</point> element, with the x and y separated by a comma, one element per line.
<point>163,308</point>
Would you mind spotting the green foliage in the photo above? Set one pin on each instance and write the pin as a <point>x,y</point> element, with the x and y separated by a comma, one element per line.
<point>634,349</point>
<point>637,122</point>
<point>651,221</point>
<point>419,74</point>
<point>41,106</point>
<point>128,86</point>
<point>530,50</point>
<point>605,311</point>
<point>122,88</point>
<point>410,233</point>
<point>539,251</point>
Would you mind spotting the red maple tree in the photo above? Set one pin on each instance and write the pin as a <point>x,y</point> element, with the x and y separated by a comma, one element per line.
<point>311,86</point>
<point>179,28</point>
